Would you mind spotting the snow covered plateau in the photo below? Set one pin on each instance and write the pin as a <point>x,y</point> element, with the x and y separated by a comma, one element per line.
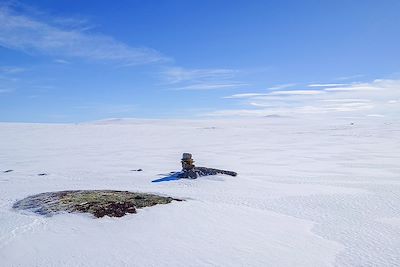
<point>309,192</point>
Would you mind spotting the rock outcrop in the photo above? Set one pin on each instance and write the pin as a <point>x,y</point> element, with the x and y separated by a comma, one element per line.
<point>100,203</point>
<point>190,171</point>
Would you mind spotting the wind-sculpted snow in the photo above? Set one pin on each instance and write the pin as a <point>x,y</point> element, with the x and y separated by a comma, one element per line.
<point>308,193</point>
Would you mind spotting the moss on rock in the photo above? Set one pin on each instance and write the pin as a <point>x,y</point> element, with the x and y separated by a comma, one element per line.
<point>97,202</point>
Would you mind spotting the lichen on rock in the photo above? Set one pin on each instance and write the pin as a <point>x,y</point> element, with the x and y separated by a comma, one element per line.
<point>100,203</point>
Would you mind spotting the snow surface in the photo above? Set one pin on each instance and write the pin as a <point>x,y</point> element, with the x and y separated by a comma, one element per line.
<point>308,193</point>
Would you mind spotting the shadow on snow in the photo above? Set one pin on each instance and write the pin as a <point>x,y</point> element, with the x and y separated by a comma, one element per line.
<point>171,177</point>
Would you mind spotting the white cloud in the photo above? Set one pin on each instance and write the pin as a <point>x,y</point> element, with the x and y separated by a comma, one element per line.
<point>246,95</point>
<point>350,77</point>
<point>9,77</point>
<point>297,92</point>
<point>276,93</point>
<point>346,100</point>
<point>62,61</point>
<point>201,79</point>
<point>347,106</point>
<point>11,70</point>
<point>255,104</point>
<point>178,75</point>
<point>357,87</point>
<point>327,84</point>
<point>206,86</point>
<point>31,35</point>
<point>105,108</point>
<point>239,112</point>
<point>282,86</point>
<point>376,115</point>
<point>375,97</point>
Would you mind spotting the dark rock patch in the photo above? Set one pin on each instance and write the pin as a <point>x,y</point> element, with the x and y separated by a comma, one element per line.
<point>42,174</point>
<point>100,203</point>
<point>190,171</point>
<point>8,171</point>
<point>203,171</point>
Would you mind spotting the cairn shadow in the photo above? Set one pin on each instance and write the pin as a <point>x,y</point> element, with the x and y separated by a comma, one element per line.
<point>171,177</point>
<point>194,174</point>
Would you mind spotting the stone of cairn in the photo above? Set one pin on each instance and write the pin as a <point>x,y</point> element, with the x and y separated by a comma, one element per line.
<point>190,171</point>
<point>187,162</point>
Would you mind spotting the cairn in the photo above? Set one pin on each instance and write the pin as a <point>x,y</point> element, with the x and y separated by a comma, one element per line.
<point>190,171</point>
<point>187,162</point>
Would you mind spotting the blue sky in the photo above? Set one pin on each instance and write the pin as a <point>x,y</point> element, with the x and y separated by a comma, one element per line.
<point>73,61</point>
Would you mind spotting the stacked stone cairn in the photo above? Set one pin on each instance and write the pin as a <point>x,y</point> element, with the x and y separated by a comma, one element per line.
<point>190,171</point>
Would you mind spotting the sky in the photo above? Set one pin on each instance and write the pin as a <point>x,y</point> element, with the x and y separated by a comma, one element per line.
<point>77,61</point>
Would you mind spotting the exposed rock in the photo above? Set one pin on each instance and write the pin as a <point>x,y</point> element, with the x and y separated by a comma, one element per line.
<point>190,171</point>
<point>42,174</point>
<point>203,171</point>
<point>8,171</point>
<point>97,202</point>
